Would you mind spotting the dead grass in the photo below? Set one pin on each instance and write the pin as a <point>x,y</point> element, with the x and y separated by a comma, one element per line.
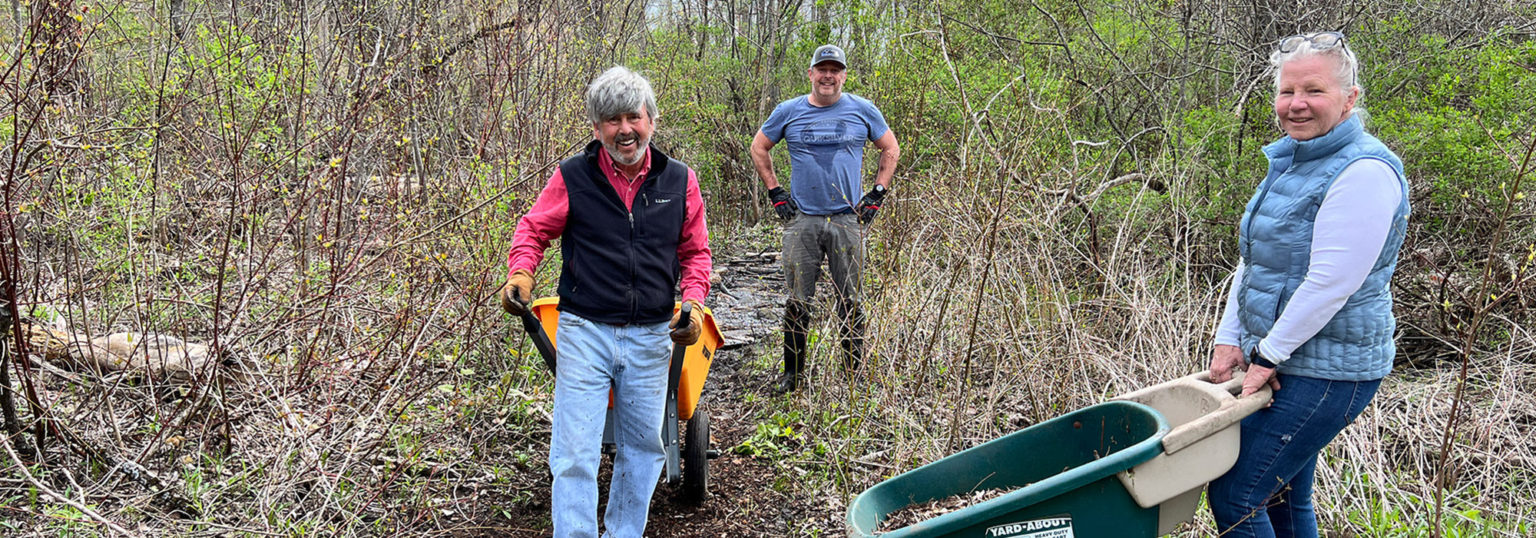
<point>372,389</point>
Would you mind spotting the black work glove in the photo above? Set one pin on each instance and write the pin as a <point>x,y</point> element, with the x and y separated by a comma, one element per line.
<point>870,204</point>
<point>782,204</point>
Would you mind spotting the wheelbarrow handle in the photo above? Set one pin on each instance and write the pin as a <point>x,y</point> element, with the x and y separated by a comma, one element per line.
<point>1234,387</point>
<point>684,315</point>
<point>535,331</point>
<point>1231,412</point>
<point>675,371</point>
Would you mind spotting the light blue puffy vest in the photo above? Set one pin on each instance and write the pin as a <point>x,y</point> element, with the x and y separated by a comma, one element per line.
<point>1275,241</point>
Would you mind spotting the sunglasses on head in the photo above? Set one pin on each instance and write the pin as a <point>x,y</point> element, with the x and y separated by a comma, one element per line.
<point>1319,41</point>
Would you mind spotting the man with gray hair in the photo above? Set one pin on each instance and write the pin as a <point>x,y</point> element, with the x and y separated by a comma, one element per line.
<point>631,223</point>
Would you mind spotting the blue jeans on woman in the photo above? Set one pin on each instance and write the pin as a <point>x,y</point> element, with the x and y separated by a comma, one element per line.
<point>1268,492</point>
<point>633,360</point>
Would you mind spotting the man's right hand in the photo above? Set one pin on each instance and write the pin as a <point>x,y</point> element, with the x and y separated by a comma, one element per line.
<point>1225,360</point>
<point>517,292</point>
<point>782,204</point>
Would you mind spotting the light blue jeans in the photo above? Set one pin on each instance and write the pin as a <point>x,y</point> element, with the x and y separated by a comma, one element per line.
<point>1268,492</point>
<point>633,360</point>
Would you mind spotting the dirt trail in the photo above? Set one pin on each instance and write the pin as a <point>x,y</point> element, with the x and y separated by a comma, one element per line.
<point>747,307</point>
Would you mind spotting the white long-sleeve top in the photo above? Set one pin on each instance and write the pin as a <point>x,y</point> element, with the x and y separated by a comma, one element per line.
<point>1348,233</point>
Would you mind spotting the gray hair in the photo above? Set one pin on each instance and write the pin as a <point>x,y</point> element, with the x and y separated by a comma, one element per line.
<point>1346,67</point>
<point>619,91</point>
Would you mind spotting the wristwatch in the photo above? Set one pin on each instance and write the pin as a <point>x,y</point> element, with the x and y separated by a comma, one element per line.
<point>1255,358</point>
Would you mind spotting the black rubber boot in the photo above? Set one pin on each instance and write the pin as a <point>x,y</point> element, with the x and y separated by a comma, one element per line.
<point>797,322</point>
<point>853,353</point>
<point>853,337</point>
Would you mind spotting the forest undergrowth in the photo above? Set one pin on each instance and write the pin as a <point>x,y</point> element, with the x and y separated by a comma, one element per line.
<point>321,197</point>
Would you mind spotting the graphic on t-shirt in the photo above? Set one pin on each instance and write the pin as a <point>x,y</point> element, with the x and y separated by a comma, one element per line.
<point>828,131</point>
<point>826,149</point>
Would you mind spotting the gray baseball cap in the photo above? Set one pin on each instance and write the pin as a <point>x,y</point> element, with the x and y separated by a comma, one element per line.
<point>829,53</point>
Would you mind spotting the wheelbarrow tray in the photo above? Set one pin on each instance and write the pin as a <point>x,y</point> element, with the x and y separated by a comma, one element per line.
<point>1064,469</point>
<point>696,361</point>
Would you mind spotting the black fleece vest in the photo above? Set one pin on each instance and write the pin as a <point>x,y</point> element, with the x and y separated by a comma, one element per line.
<point>619,266</point>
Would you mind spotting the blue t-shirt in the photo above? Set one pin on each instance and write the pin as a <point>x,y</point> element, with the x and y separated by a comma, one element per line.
<point>826,149</point>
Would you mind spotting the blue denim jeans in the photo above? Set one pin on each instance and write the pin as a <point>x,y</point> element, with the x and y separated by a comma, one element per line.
<point>632,359</point>
<point>1268,492</point>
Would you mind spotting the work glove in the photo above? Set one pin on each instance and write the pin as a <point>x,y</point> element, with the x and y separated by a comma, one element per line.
<point>687,336</point>
<point>871,203</point>
<point>517,292</point>
<point>782,204</point>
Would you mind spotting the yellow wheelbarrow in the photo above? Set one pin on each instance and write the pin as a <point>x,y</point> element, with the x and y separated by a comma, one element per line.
<point>688,464</point>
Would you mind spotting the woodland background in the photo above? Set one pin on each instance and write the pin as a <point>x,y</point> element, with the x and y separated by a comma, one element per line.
<point>321,193</point>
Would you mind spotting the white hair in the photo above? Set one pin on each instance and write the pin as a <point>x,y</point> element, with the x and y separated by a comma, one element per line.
<point>1346,67</point>
<point>619,91</point>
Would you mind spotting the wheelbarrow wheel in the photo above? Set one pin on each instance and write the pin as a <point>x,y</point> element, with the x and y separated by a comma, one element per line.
<point>696,458</point>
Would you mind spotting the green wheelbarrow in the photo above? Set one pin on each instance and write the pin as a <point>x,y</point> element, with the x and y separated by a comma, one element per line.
<point>1131,467</point>
<point>687,451</point>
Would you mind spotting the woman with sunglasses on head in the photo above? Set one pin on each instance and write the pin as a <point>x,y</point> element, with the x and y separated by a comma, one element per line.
<point>1310,310</point>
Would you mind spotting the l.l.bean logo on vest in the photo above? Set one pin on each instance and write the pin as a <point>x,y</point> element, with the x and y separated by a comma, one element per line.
<point>1051,527</point>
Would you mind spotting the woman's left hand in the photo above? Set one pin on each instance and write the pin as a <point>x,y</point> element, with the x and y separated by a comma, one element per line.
<point>1257,377</point>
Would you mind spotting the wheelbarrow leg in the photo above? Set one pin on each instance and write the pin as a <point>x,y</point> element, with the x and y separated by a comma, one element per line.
<point>669,421</point>
<point>610,447</point>
<point>669,439</point>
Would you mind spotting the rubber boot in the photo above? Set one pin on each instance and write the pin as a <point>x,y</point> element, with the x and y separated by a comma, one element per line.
<point>797,322</point>
<point>853,353</point>
<point>853,338</point>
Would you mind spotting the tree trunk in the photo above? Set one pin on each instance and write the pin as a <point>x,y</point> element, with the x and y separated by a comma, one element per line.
<point>59,62</point>
<point>7,398</point>
<point>178,18</point>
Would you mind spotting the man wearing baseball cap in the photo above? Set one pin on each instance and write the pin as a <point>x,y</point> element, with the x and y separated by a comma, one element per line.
<point>822,207</point>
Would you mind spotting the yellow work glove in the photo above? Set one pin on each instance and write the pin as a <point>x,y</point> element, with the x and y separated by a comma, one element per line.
<point>517,292</point>
<point>689,335</point>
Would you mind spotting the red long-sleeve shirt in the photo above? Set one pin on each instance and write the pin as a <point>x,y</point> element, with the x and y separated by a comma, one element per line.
<point>546,220</point>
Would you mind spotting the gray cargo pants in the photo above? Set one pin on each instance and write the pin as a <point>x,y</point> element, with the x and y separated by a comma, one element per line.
<point>839,239</point>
